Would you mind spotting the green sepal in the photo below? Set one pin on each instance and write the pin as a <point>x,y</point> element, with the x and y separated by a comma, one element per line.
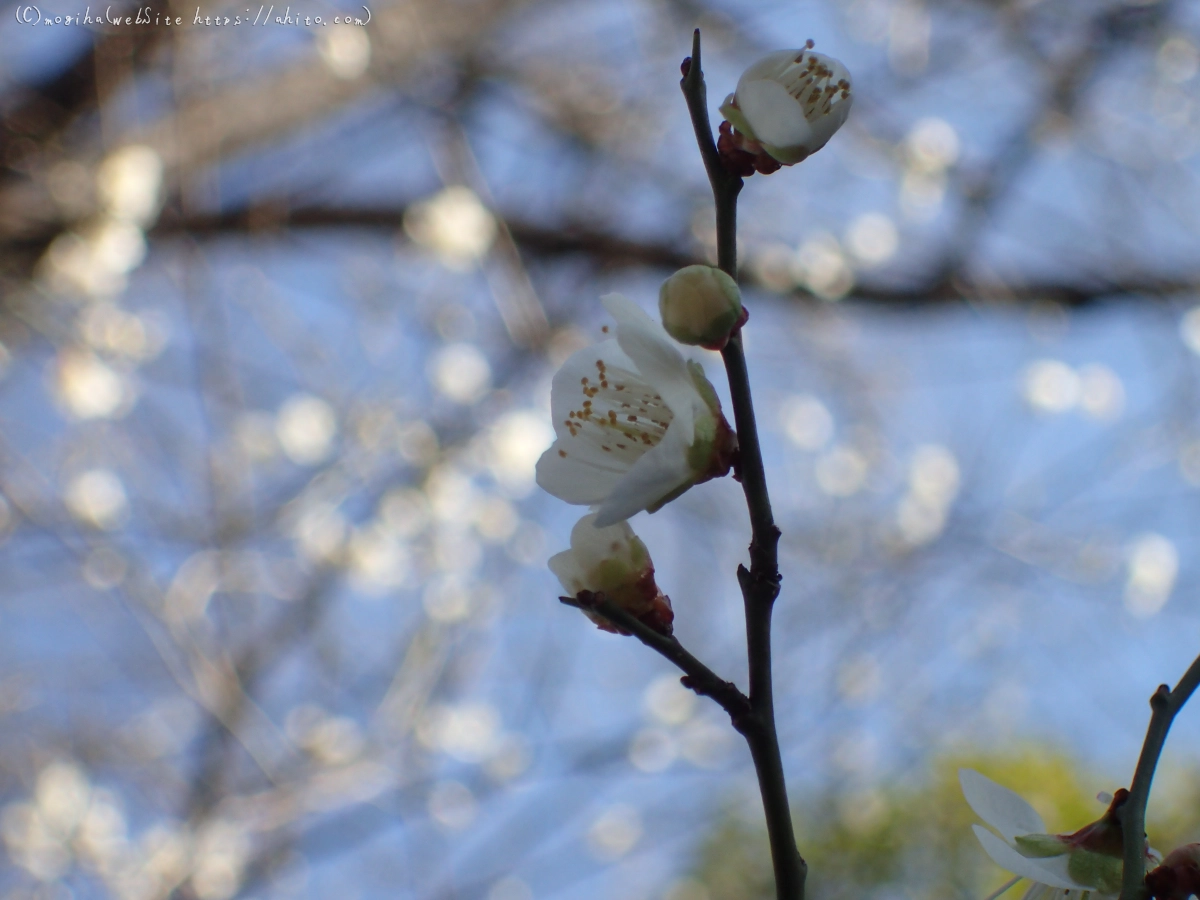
<point>1098,870</point>
<point>1040,846</point>
<point>704,386</point>
<point>734,116</point>
<point>700,454</point>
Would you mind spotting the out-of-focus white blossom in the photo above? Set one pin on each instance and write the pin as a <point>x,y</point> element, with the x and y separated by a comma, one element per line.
<point>89,388</point>
<point>821,265</point>
<point>615,832</point>
<point>669,702</point>
<point>1153,567</point>
<point>129,183</point>
<point>931,146</point>
<point>467,732</point>
<point>842,471</point>
<point>346,52</point>
<point>306,428</point>
<point>97,498</point>
<point>461,372</point>
<point>1051,386</point>
<point>454,225</point>
<point>515,443</point>
<point>452,805</point>
<point>872,238</point>
<point>806,421</point>
<point>379,560</point>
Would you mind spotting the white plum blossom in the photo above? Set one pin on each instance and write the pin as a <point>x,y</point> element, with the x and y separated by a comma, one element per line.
<point>1085,865</point>
<point>614,562</point>
<point>636,424</point>
<point>790,103</point>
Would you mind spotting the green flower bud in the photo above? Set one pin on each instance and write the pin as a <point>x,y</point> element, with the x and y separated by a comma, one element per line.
<point>700,305</point>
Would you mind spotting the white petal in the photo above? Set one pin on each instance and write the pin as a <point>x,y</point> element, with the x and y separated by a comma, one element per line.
<point>658,360</point>
<point>1056,866</point>
<point>572,479</point>
<point>570,575</point>
<point>661,471</point>
<point>592,545</point>
<point>1005,810</point>
<point>1034,869</point>
<point>775,115</point>
<point>824,126</point>
<point>566,392</point>
<point>628,313</point>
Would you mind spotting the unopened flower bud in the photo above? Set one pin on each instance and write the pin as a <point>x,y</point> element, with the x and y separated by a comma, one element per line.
<point>700,305</point>
<point>789,104</point>
<point>614,562</point>
<point>1179,875</point>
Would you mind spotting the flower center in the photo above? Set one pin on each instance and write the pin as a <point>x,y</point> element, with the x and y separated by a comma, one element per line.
<point>619,413</point>
<point>810,81</point>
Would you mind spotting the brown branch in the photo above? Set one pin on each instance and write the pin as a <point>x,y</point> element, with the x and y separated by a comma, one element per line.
<point>759,583</point>
<point>1164,705</point>
<point>697,676</point>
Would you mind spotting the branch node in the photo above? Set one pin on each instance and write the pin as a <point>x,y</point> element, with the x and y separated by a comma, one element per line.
<point>744,578</point>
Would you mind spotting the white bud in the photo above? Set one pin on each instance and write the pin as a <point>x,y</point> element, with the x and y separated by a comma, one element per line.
<point>700,305</point>
<point>612,561</point>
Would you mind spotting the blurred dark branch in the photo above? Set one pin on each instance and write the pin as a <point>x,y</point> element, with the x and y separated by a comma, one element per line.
<point>42,111</point>
<point>278,102</point>
<point>1067,83</point>
<point>272,219</point>
<point>1165,704</point>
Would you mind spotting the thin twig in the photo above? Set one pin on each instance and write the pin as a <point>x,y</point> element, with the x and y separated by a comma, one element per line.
<point>759,583</point>
<point>1164,706</point>
<point>725,187</point>
<point>698,677</point>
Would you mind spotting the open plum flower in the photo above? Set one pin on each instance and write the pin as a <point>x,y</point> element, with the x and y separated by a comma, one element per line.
<point>789,104</point>
<point>636,424</point>
<point>1085,865</point>
<point>614,562</point>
